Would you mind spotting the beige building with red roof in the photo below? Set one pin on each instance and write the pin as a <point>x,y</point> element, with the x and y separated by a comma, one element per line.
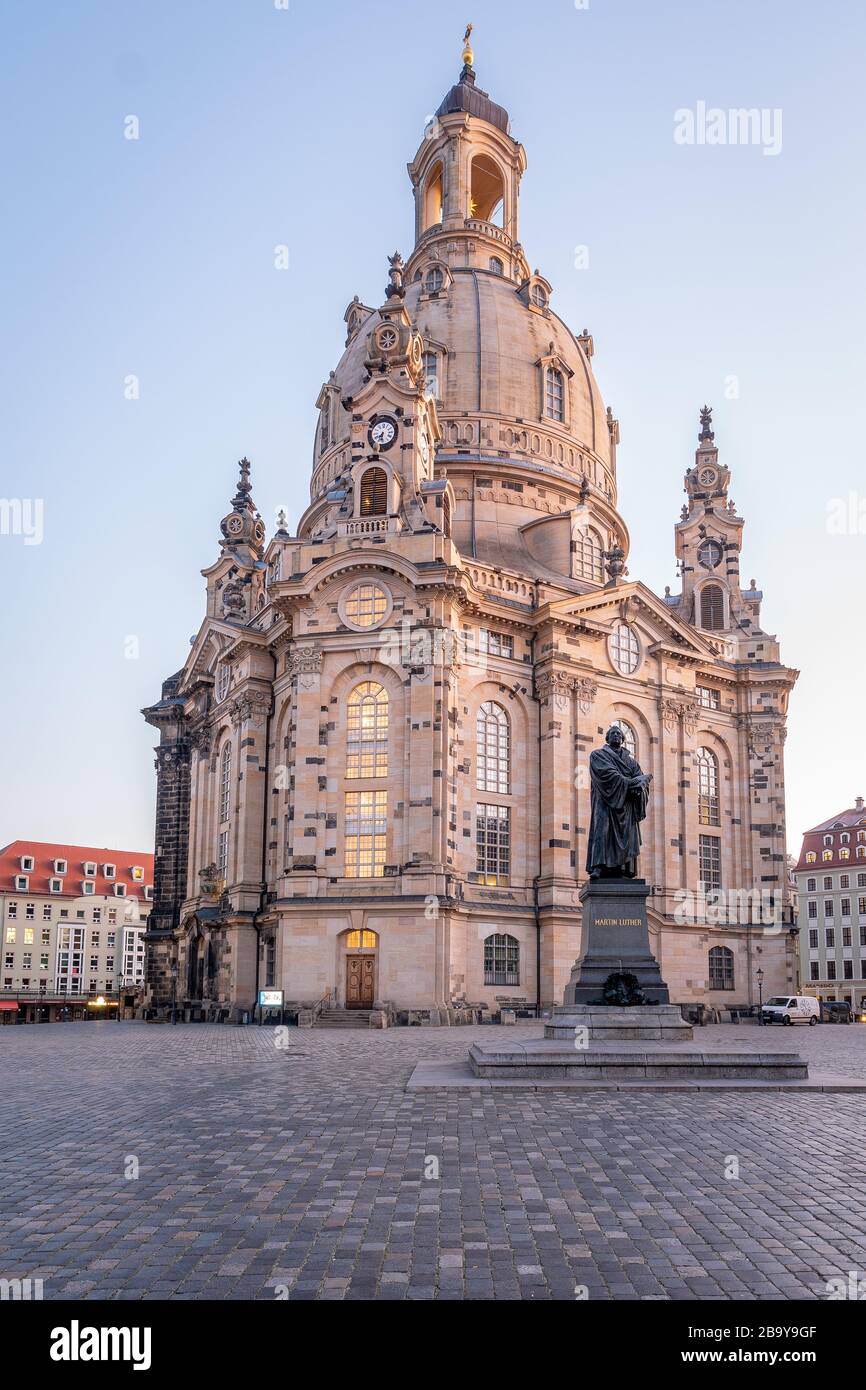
<point>831,876</point>
<point>72,923</point>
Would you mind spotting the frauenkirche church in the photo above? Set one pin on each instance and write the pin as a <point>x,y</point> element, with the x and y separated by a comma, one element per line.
<point>372,769</point>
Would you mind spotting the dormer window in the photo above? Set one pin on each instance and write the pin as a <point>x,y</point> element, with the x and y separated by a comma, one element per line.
<point>828,839</point>
<point>538,295</point>
<point>434,280</point>
<point>120,890</point>
<point>137,873</point>
<point>60,866</point>
<point>89,869</point>
<point>27,863</point>
<point>148,892</point>
<point>88,888</point>
<point>55,885</point>
<point>554,394</point>
<point>109,870</point>
<point>21,883</point>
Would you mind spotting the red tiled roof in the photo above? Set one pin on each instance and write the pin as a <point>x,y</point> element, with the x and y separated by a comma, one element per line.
<point>813,840</point>
<point>76,856</point>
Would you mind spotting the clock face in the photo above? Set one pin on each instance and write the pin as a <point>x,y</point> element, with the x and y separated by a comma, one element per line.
<point>383,433</point>
<point>710,554</point>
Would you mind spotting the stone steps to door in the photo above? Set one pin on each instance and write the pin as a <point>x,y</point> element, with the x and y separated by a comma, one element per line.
<point>344,1018</point>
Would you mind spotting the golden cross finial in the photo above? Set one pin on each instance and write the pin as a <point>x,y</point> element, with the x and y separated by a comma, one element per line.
<point>468,55</point>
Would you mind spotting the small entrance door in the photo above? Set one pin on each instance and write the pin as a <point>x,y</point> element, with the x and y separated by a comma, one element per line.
<point>359,982</point>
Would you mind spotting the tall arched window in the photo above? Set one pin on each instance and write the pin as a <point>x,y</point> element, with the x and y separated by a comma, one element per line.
<point>434,280</point>
<point>588,556</point>
<point>367,731</point>
<point>487,190</point>
<point>554,394</point>
<point>628,734</point>
<point>431,373</point>
<point>708,787</point>
<point>434,196</point>
<point>501,960</point>
<point>225,790</point>
<point>446,515</point>
<point>374,492</point>
<point>712,608</point>
<point>721,962</point>
<point>491,749</point>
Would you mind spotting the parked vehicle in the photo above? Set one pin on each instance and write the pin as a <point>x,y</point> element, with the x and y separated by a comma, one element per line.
<point>791,1008</point>
<point>837,1011</point>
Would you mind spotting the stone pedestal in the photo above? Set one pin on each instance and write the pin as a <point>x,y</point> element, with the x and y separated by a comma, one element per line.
<point>614,938</point>
<point>605,1023</point>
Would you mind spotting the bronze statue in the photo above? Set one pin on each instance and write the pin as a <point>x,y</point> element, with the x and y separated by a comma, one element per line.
<point>620,792</point>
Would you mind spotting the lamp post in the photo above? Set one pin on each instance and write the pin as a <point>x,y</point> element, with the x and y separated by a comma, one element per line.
<point>759,976</point>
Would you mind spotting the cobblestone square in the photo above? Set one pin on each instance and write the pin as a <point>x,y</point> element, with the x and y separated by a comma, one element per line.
<point>308,1172</point>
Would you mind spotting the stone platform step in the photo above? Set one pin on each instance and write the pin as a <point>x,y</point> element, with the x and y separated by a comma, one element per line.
<point>607,1023</point>
<point>344,1018</point>
<point>550,1059</point>
<point>459,1076</point>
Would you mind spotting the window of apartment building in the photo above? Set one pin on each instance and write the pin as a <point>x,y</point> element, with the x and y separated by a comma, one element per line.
<point>110,940</point>
<point>94,939</point>
<point>813,939</point>
<point>492,843</point>
<point>46,912</point>
<point>848,969</point>
<point>112,916</point>
<point>11,935</point>
<point>846,907</point>
<point>831,970</point>
<point>845,881</point>
<point>812,909</point>
<point>846,936</point>
<point>43,961</point>
<point>12,912</point>
<point>830,936</point>
<point>28,936</point>
<point>46,936</point>
<point>97,914</point>
<point>810,885</point>
<point>815,970</point>
<point>828,881</point>
<point>9,960</point>
<point>30,911</point>
<point>710,861</point>
<point>27,960</point>
<point>828,907</point>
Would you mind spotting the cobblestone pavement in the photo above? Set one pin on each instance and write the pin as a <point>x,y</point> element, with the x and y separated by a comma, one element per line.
<point>310,1173</point>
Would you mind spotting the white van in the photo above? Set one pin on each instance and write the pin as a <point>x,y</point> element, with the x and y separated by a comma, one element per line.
<point>791,1008</point>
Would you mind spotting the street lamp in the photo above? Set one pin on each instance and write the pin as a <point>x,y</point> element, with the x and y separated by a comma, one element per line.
<point>759,976</point>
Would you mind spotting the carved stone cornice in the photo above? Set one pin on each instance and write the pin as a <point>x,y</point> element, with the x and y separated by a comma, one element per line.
<point>201,739</point>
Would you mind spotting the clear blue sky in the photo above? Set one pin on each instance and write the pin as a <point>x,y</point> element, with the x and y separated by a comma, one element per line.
<point>261,126</point>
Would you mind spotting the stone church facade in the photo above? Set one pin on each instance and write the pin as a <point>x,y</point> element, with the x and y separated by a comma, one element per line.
<point>372,783</point>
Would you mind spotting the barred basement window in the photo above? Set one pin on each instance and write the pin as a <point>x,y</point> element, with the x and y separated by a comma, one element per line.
<point>367,731</point>
<point>366,834</point>
<point>710,861</point>
<point>554,394</point>
<point>491,749</point>
<point>493,843</point>
<point>708,787</point>
<point>721,968</point>
<point>374,492</point>
<point>712,608</point>
<point>501,960</point>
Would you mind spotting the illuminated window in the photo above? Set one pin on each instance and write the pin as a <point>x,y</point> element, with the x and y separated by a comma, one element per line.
<point>361,940</point>
<point>487,190</point>
<point>492,844</point>
<point>708,787</point>
<point>433,197</point>
<point>588,556</point>
<point>366,834</point>
<point>712,608</point>
<point>374,493</point>
<point>811,857</point>
<point>367,731</point>
<point>554,394</point>
<point>826,855</point>
<point>491,749</point>
<point>624,649</point>
<point>501,960</point>
<point>366,605</point>
<point>628,734</point>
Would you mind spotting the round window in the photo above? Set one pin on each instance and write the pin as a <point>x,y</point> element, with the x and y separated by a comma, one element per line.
<point>710,554</point>
<point>624,649</point>
<point>366,605</point>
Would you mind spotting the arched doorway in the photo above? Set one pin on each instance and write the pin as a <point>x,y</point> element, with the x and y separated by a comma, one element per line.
<point>361,963</point>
